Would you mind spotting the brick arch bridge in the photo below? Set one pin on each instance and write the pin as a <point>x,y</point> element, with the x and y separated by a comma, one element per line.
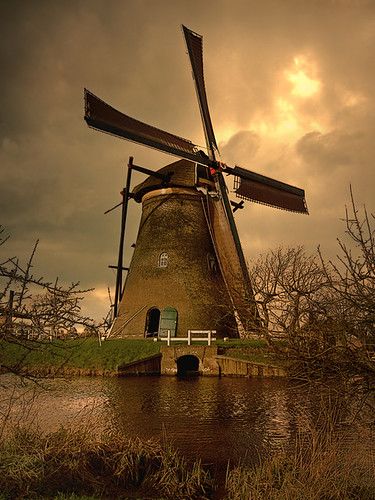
<point>206,355</point>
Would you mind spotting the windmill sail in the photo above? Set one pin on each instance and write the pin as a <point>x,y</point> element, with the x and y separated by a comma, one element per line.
<point>232,267</point>
<point>102,116</point>
<point>248,185</point>
<point>261,189</point>
<point>223,228</point>
<point>195,48</point>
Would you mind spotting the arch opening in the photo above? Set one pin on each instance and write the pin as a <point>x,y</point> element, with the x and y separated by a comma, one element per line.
<point>152,322</point>
<point>188,366</point>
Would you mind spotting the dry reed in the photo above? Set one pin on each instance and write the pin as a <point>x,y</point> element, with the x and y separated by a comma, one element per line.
<point>324,464</point>
<point>71,462</point>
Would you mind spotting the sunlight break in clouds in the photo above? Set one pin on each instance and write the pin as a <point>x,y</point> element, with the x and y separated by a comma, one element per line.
<point>303,84</point>
<point>287,121</point>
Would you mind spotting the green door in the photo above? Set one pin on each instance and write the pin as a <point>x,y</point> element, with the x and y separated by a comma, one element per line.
<point>168,321</point>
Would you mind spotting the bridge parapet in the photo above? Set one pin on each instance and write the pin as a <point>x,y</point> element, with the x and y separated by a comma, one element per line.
<point>206,355</point>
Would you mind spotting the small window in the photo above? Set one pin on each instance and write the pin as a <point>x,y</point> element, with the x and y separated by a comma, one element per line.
<point>163,260</point>
<point>211,261</point>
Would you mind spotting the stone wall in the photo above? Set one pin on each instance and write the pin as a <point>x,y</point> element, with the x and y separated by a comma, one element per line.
<point>242,368</point>
<point>147,366</point>
<point>210,364</point>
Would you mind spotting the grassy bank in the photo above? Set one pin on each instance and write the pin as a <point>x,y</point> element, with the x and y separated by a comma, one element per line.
<point>254,350</point>
<point>331,476</point>
<point>321,468</point>
<point>73,464</point>
<point>85,356</point>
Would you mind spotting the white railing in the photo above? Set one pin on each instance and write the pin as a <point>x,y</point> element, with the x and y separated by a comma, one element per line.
<point>190,337</point>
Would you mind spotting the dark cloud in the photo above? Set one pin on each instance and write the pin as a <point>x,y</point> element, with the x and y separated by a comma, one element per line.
<point>242,146</point>
<point>326,152</point>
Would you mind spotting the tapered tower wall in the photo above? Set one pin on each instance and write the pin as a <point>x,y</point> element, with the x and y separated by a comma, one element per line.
<point>173,222</point>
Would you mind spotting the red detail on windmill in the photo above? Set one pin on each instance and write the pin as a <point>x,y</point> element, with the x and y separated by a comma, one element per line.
<point>219,166</point>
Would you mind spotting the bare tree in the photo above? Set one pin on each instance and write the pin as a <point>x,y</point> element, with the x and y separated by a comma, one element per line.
<point>324,311</point>
<point>49,309</point>
<point>291,290</point>
<point>352,277</point>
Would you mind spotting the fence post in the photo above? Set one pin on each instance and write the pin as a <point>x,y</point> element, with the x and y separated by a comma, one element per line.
<point>189,337</point>
<point>209,337</point>
<point>169,338</point>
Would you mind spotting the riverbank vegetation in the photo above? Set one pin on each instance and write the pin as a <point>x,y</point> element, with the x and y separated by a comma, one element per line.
<point>323,471</point>
<point>82,356</point>
<point>323,310</point>
<point>331,458</point>
<point>77,464</point>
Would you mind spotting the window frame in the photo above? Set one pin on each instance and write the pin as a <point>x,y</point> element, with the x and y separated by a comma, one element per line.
<point>163,260</point>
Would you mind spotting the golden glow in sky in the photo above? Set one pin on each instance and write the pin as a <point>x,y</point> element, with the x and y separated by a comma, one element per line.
<point>304,85</point>
<point>286,121</point>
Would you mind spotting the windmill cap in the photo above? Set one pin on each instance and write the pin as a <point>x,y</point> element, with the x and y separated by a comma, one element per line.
<point>181,173</point>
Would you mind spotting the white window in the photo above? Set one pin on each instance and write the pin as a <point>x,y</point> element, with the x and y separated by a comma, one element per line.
<point>163,260</point>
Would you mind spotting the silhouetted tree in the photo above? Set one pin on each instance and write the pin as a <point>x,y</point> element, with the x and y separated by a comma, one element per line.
<point>353,277</point>
<point>48,310</point>
<point>291,290</point>
<point>323,311</point>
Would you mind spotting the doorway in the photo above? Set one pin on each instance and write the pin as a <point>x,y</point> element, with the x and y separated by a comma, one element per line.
<point>152,322</point>
<point>168,321</point>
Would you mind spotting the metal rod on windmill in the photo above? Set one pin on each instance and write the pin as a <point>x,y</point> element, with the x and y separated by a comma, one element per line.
<point>125,200</point>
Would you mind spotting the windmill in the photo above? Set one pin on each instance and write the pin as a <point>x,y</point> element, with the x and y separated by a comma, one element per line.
<point>196,172</point>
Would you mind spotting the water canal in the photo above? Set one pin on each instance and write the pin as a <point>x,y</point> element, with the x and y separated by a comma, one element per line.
<point>213,419</point>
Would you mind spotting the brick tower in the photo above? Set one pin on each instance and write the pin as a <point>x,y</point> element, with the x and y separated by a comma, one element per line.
<point>174,280</point>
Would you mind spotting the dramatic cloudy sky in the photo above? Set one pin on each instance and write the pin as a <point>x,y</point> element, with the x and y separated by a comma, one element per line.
<point>291,91</point>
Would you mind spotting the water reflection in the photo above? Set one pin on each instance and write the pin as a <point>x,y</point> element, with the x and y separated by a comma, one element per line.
<point>210,418</point>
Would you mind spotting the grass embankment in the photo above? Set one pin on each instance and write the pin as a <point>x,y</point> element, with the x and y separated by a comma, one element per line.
<point>254,350</point>
<point>84,356</point>
<point>87,357</point>
<point>329,474</point>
